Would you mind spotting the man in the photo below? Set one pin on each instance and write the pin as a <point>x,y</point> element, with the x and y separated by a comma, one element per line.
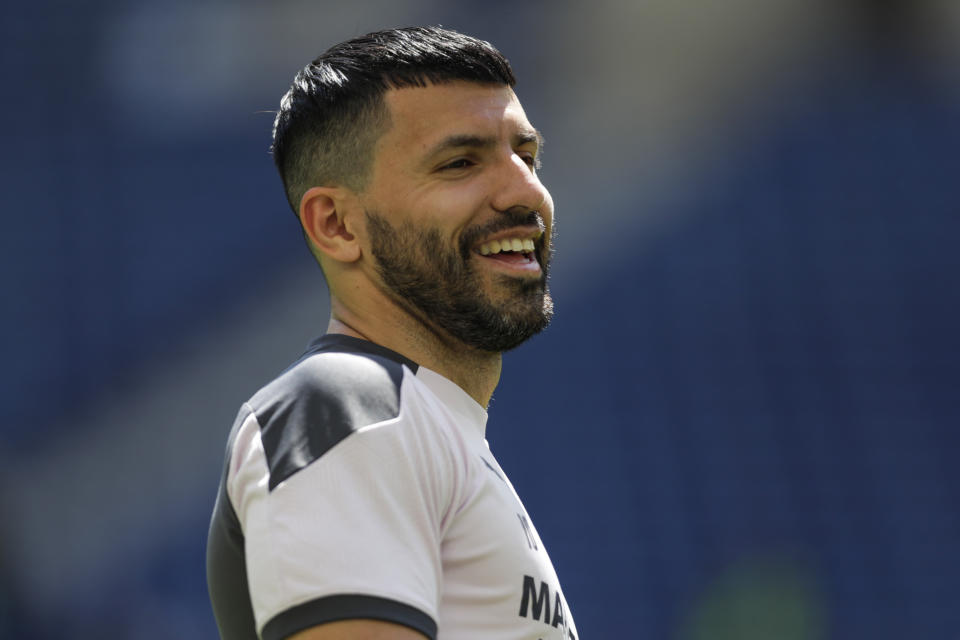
<point>359,497</point>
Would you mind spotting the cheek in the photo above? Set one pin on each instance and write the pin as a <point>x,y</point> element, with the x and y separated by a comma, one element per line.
<point>451,211</point>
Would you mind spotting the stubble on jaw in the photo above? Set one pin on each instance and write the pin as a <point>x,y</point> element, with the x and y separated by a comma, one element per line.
<point>438,283</point>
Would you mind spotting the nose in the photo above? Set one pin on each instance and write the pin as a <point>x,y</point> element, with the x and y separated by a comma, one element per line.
<point>517,186</point>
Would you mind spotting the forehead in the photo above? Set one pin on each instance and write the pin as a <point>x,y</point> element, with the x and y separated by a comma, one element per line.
<point>422,116</point>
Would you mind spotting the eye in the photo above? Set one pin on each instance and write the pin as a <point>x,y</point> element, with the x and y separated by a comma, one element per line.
<point>459,163</point>
<point>532,161</point>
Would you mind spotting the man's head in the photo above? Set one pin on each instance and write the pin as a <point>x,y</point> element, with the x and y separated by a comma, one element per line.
<point>412,167</point>
<point>334,113</point>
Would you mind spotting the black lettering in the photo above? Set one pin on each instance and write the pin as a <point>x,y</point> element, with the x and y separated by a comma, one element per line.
<point>557,611</point>
<point>541,600</point>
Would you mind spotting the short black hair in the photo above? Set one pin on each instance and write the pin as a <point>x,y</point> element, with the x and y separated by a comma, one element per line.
<point>334,113</point>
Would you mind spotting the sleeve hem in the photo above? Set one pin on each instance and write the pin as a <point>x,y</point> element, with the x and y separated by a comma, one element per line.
<point>347,607</point>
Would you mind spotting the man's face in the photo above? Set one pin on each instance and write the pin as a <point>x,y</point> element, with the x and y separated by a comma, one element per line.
<point>458,222</point>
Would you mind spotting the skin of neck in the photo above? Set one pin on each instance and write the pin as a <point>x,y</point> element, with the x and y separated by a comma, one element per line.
<point>362,310</point>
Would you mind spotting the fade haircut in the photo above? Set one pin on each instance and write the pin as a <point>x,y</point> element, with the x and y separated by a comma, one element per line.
<point>334,113</point>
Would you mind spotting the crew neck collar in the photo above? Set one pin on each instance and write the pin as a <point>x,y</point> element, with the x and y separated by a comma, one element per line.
<point>330,341</point>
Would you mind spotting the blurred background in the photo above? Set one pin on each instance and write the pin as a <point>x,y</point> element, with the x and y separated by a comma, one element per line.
<point>743,422</point>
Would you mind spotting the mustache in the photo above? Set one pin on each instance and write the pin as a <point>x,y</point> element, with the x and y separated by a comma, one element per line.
<point>508,220</point>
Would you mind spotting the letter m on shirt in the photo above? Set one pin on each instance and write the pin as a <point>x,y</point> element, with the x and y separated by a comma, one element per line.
<point>540,600</point>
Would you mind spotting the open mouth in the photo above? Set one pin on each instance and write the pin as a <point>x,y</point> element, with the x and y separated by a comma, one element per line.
<point>514,251</point>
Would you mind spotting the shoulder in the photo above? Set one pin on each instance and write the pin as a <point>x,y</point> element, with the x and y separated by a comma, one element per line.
<point>358,388</point>
<point>329,394</point>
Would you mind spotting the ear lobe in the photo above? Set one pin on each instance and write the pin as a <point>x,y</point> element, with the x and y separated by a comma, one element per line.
<point>324,223</point>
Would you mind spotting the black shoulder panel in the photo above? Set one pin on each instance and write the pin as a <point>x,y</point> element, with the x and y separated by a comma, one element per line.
<point>340,385</point>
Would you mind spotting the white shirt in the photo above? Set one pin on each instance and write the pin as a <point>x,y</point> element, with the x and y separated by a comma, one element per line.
<point>405,514</point>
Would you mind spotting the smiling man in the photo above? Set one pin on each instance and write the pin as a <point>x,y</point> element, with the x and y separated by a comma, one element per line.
<point>359,497</point>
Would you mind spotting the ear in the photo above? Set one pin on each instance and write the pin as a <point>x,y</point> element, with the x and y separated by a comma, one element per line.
<point>323,218</point>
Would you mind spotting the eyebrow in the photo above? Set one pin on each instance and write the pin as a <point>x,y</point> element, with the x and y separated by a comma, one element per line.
<point>459,141</point>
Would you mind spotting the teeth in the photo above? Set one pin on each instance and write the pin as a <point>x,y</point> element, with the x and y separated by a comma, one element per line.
<point>507,244</point>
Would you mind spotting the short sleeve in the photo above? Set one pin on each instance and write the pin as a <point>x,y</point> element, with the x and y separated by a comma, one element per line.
<point>355,533</point>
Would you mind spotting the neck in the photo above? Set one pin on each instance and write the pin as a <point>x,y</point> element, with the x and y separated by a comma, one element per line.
<point>476,372</point>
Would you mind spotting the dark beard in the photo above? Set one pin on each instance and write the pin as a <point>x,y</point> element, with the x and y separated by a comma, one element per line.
<point>438,281</point>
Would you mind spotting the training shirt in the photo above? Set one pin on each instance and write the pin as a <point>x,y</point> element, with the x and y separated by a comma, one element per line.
<point>358,484</point>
